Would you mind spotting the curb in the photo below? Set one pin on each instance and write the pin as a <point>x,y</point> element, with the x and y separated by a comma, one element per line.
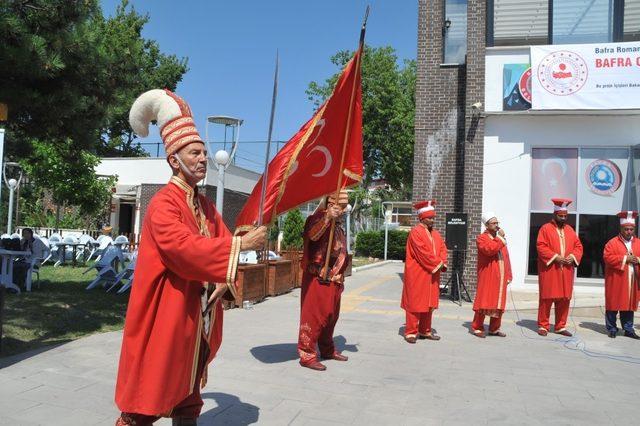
<point>374,265</point>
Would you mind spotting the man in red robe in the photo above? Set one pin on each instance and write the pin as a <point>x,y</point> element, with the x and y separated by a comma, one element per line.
<point>187,260</point>
<point>321,291</point>
<point>559,252</point>
<point>426,258</point>
<point>494,274</point>
<point>622,269</point>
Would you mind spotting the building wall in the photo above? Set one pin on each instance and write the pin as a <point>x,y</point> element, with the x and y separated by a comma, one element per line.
<point>449,136</point>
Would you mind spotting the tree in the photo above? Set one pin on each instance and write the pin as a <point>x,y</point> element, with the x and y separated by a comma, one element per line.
<point>69,77</point>
<point>292,230</point>
<point>388,108</point>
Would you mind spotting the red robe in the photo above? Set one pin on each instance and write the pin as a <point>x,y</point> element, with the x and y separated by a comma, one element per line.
<point>556,281</point>
<point>164,326</point>
<point>621,278</point>
<point>426,258</point>
<point>494,273</point>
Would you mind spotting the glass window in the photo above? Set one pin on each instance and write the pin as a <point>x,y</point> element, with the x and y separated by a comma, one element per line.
<point>631,20</point>
<point>518,23</point>
<point>535,223</point>
<point>455,32</point>
<point>594,232</point>
<point>582,21</point>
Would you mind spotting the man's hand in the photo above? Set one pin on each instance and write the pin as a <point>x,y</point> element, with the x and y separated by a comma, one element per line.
<point>221,288</point>
<point>560,260</point>
<point>568,261</point>
<point>337,278</point>
<point>632,259</point>
<point>254,239</point>
<point>333,212</point>
<point>501,232</point>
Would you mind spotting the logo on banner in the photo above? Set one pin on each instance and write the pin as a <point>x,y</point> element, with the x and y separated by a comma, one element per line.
<point>603,177</point>
<point>562,72</point>
<point>524,85</point>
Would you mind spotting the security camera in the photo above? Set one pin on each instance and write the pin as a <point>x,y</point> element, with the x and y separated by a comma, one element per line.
<point>477,106</point>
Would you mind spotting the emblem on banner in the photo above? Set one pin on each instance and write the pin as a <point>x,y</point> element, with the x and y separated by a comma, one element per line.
<point>603,177</point>
<point>524,85</point>
<point>562,72</point>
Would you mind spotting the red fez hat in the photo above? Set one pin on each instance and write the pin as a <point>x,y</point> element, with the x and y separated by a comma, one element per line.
<point>560,204</point>
<point>628,217</point>
<point>425,208</point>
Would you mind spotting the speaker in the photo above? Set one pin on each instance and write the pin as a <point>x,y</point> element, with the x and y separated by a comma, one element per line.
<point>456,231</point>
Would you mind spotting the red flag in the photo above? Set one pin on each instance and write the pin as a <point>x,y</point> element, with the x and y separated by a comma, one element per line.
<point>308,166</point>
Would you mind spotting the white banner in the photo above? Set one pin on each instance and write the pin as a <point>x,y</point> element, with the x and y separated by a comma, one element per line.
<point>586,76</point>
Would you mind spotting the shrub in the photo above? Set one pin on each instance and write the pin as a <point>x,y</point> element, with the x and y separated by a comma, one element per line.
<point>371,244</point>
<point>292,230</point>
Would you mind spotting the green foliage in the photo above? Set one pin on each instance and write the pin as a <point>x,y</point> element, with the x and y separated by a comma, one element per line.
<point>388,107</point>
<point>292,230</point>
<point>274,231</point>
<point>371,244</point>
<point>69,77</point>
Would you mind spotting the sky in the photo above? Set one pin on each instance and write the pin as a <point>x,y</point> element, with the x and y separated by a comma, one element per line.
<point>231,48</point>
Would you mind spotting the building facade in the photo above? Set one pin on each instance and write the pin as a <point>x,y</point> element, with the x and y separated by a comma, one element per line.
<point>517,102</point>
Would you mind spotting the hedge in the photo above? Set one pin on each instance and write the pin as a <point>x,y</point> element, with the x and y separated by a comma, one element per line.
<point>371,244</point>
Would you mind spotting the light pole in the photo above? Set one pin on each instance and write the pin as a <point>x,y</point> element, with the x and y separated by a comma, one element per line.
<point>222,158</point>
<point>387,219</point>
<point>349,208</point>
<point>12,184</point>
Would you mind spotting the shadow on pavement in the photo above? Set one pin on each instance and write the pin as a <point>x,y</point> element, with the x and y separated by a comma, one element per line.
<point>595,326</point>
<point>283,352</point>
<point>530,324</point>
<point>230,410</point>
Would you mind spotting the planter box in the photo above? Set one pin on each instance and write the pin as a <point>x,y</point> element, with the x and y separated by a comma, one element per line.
<point>251,283</point>
<point>280,277</point>
<point>295,256</point>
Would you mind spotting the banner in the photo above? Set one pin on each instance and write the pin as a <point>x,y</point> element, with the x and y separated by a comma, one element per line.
<point>554,174</point>
<point>516,87</point>
<point>586,76</point>
<point>603,178</point>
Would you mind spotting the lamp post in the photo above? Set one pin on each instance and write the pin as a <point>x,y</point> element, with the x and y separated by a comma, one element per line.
<point>387,219</point>
<point>349,208</point>
<point>222,158</point>
<point>12,184</point>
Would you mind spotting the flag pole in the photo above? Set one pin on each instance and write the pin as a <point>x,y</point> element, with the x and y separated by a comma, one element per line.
<point>344,143</point>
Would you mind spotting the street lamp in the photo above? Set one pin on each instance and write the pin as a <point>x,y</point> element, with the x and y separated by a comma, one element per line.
<point>222,158</point>
<point>12,184</point>
<point>349,208</point>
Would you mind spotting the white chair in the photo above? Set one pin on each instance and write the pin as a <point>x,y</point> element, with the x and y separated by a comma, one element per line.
<point>16,235</point>
<point>122,242</point>
<point>51,243</point>
<point>103,241</point>
<point>126,274</point>
<point>3,236</point>
<point>87,246</point>
<point>105,268</point>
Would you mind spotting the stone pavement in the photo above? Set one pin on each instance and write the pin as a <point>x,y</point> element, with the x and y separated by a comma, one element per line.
<point>523,379</point>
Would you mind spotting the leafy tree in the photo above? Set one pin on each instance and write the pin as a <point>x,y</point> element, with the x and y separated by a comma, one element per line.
<point>388,107</point>
<point>292,230</point>
<point>69,76</point>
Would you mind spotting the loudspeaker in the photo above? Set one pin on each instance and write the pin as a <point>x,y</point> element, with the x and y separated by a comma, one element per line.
<point>456,231</point>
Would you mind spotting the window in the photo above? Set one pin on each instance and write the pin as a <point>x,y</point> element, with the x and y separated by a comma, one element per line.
<point>454,31</point>
<point>519,23</point>
<point>582,21</point>
<point>631,20</point>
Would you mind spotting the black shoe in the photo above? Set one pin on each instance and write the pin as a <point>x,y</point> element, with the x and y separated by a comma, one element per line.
<point>613,334</point>
<point>631,334</point>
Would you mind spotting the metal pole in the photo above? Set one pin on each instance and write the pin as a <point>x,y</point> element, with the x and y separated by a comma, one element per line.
<point>9,222</point>
<point>348,231</point>
<point>220,189</point>
<point>386,238</point>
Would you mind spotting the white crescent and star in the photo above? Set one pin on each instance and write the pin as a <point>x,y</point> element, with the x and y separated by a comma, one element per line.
<point>328,159</point>
<point>558,161</point>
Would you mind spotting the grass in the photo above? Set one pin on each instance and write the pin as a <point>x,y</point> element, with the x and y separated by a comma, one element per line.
<point>361,261</point>
<point>59,311</point>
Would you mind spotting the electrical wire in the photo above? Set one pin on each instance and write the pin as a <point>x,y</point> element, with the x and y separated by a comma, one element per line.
<point>574,343</point>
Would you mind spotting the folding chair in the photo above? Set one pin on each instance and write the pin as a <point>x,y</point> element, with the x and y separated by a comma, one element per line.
<point>105,268</point>
<point>126,274</point>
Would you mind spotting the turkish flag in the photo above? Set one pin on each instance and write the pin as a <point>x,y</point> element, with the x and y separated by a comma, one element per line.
<point>309,165</point>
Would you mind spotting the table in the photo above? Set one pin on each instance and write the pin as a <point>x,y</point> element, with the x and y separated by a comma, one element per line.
<point>62,250</point>
<point>6,277</point>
